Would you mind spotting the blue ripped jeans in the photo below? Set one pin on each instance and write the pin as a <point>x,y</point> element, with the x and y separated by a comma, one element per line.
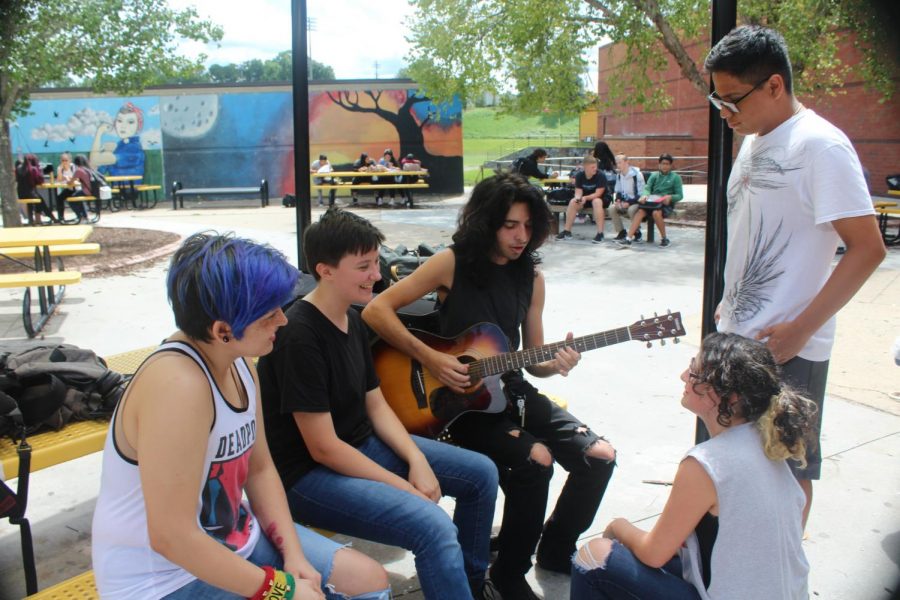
<point>624,577</point>
<point>451,555</point>
<point>319,551</point>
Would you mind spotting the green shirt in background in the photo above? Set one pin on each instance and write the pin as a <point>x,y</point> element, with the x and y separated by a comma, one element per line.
<point>665,185</point>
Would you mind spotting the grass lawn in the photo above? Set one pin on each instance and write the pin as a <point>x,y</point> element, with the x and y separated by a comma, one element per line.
<point>488,135</point>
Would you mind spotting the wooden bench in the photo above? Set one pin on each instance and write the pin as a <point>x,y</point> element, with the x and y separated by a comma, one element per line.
<point>179,192</point>
<point>29,204</point>
<point>94,199</point>
<point>885,212</point>
<point>49,298</point>
<point>58,251</point>
<point>80,587</point>
<point>369,186</point>
<point>143,192</point>
<point>556,210</point>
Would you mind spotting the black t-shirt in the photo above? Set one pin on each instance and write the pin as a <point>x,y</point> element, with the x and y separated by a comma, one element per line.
<point>589,185</point>
<point>315,367</point>
<point>499,295</point>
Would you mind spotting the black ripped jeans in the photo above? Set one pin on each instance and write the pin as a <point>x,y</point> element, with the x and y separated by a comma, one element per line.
<point>526,483</point>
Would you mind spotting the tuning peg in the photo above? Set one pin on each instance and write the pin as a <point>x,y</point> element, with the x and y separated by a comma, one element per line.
<point>654,314</point>
<point>676,341</point>
<point>668,311</point>
<point>642,317</point>
<point>662,342</point>
<point>649,344</point>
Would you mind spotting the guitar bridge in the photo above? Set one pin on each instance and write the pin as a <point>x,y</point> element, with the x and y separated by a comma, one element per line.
<point>417,383</point>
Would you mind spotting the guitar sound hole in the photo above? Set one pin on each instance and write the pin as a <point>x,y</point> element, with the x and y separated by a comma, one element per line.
<point>466,359</point>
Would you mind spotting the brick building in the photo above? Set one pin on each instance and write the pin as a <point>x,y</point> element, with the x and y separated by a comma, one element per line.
<point>682,128</point>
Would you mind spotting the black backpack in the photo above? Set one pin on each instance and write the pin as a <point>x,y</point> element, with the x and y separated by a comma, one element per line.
<point>51,384</point>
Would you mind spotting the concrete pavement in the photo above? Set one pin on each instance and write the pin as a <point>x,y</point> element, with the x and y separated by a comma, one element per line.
<point>628,392</point>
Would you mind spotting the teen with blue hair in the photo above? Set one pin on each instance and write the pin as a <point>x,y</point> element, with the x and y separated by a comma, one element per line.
<point>187,444</point>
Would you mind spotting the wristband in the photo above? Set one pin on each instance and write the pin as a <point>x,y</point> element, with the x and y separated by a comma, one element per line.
<point>277,585</point>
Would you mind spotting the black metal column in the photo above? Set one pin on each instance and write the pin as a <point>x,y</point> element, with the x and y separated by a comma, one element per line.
<point>300,90</point>
<point>721,138</point>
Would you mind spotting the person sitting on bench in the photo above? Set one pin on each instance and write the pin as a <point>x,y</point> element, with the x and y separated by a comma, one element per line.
<point>343,455</point>
<point>186,443</point>
<point>662,192</point>
<point>629,188</point>
<point>590,188</point>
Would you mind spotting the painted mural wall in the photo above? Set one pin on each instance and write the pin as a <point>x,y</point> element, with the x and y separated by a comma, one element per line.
<point>233,137</point>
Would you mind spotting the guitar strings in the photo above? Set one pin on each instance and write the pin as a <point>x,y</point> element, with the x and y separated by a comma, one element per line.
<point>507,361</point>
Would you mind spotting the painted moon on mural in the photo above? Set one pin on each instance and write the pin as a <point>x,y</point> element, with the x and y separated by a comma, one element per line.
<point>189,116</point>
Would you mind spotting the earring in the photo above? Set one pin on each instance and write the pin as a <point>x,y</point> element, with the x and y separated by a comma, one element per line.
<point>225,338</point>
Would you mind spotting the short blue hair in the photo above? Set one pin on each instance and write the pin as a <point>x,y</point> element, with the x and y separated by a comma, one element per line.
<point>215,277</point>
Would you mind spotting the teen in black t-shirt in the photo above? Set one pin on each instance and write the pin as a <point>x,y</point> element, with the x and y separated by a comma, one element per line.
<point>590,186</point>
<point>346,460</point>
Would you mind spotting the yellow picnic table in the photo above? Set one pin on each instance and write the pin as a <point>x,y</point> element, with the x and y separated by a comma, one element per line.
<point>40,273</point>
<point>396,173</point>
<point>122,182</point>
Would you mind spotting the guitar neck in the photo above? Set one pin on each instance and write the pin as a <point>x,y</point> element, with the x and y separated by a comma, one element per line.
<point>509,361</point>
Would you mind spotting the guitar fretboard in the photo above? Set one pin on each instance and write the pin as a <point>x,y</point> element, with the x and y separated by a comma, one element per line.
<point>508,361</point>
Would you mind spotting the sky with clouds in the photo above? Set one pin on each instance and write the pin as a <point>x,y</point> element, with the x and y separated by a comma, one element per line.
<point>349,35</point>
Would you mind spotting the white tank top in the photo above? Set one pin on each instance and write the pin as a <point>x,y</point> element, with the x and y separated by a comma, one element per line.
<point>125,566</point>
<point>757,554</point>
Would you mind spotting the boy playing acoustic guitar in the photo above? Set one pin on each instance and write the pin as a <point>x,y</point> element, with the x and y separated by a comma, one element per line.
<point>345,459</point>
<point>490,275</point>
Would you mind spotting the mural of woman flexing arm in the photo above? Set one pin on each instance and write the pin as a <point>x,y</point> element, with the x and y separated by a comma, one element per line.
<point>126,157</point>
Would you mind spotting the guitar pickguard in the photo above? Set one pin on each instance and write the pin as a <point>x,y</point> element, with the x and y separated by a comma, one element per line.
<point>446,405</point>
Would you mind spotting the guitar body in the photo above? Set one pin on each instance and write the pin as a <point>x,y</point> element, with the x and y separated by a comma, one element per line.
<point>423,404</point>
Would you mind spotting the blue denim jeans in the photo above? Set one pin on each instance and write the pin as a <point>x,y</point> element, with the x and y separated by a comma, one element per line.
<point>450,555</point>
<point>624,577</point>
<point>319,551</point>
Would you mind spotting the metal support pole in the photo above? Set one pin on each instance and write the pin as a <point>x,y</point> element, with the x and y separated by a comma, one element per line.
<point>721,139</point>
<point>300,90</point>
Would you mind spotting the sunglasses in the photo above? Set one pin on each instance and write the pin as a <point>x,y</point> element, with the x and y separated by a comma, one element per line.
<point>731,105</point>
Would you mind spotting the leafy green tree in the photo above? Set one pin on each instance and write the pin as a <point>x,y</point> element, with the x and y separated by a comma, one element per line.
<point>118,45</point>
<point>320,71</point>
<point>224,73</point>
<point>252,70</point>
<point>536,49</point>
<point>279,68</point>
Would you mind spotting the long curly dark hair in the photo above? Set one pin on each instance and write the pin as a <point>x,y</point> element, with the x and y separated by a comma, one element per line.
<point>748,382</point>
<point>476,235</point>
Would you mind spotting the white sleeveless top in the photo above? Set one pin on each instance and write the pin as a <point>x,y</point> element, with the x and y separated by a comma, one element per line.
<point>125,566</point>
<point>757,554</point>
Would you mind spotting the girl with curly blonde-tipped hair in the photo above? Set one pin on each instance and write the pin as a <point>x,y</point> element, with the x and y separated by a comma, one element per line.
<point>732,526</point>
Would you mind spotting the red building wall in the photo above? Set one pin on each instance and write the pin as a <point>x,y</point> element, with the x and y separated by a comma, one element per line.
<point>682,128</point>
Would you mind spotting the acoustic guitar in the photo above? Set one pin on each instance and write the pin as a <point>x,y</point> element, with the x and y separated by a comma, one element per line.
<point>426,406</point>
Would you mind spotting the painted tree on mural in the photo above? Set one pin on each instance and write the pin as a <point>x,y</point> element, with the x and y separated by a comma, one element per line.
<point>117,45</point>
<point>409,126</point>
<point>469,47</point>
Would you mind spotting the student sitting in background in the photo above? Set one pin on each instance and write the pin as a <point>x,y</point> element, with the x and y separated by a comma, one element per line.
<point>662,192</point>
<point>629,187</point>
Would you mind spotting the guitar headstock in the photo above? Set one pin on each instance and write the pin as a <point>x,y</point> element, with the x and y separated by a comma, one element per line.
<point>658,327</point>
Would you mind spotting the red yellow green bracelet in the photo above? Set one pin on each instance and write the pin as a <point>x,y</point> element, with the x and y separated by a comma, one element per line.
<point>277,585</point>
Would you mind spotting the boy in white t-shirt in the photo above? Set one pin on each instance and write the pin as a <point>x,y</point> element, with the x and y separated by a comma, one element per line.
<point>795,190</point>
